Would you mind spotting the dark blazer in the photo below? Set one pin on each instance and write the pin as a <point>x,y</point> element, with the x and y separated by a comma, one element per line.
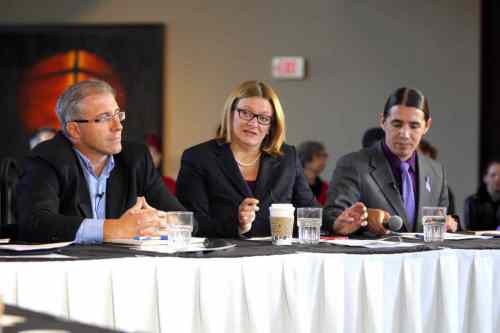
<point>366,176</point>
<point>480,212</point>
<point>211,185</point>
<point>53,196</point>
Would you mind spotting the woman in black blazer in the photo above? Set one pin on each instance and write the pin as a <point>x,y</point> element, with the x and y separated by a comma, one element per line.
<point>230,182</point>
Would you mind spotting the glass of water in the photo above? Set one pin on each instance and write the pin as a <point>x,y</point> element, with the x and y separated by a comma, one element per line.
<point>180,227</point>
<point>434,221</point>
<point>309,223</point>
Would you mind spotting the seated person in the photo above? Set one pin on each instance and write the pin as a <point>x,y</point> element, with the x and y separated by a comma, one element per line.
<point>372,136</point>
<point>154,147</point>
<point>313,157</point>
<point>482,210</point>
<point>390,176</point>
<point>230,182</point>
<point>85,185</point>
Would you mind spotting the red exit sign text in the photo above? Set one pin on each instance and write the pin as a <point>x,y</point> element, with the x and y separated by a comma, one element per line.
<point>288,68</point>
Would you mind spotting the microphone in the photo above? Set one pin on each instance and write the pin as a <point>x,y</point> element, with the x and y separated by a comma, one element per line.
<point>100,195</point>
<point>393,223</point>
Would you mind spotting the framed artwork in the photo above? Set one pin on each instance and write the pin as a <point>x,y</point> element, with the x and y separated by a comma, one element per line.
<point>37,62</point>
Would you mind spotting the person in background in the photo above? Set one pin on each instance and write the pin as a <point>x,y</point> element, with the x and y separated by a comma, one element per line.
<point>426,148</point>
<point>372,136</point>
<point>231,181</point>
<point>482,209</point>
<point>42,134</point>
<point>154,146</point>
<point>313,156</point>
<point>86,185</point>
<point>390,177</point>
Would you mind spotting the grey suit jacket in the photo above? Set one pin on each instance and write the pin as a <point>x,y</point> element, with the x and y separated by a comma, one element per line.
<point>366,176</point>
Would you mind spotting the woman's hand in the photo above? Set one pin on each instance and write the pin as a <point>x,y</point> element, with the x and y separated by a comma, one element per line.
<point>246,213</point>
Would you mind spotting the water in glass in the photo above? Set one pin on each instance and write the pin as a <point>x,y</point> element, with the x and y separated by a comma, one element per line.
<point>309,230</point>
<point>434,228</point>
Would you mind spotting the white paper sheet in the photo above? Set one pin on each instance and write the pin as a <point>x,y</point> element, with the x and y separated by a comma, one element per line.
<point>495,233</point>
<point>38,247</point>
<point>268,238</point>
<point>170,250</point>
<point>38,256</point>
<point>151,241</point>
<point>370,243</point>
<point>447,236</point>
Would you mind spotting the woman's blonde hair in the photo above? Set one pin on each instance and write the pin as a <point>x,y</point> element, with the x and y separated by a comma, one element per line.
<point>276,137</point>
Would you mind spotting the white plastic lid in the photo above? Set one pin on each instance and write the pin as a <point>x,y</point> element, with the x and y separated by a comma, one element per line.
<point>282,209</point>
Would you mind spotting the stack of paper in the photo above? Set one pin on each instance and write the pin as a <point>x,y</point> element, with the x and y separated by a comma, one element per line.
<point>150,241</point>
<point>370,243</point>
<point>37,247</point>
<point>447,236</point>
<point>493,233</point>
<point>152,244</point>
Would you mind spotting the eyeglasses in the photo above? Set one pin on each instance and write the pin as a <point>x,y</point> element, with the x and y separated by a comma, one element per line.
<point>248,116</point>
<point>103,118</point>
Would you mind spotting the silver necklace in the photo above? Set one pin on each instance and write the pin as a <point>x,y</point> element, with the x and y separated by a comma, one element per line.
<point>247,164</point>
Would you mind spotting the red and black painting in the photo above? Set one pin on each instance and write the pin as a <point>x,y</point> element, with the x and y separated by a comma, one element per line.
<point>38,62</point>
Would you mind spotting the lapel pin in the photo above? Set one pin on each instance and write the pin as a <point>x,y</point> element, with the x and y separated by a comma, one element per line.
<point>428,183</point>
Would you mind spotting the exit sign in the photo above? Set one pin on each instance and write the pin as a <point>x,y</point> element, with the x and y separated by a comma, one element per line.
<point>292,68</point>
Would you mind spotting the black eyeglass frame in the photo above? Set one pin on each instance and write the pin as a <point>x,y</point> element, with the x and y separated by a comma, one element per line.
<point>261,119</point>
<point>105,118</point>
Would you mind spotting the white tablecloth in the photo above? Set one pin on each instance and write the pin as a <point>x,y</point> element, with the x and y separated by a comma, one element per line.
<point>438,291</point>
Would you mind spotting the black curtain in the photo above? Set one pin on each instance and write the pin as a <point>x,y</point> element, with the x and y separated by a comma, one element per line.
<point>490,83</point>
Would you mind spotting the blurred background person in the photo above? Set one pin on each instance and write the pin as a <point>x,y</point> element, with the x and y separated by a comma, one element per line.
<point>426,148</point>
<point>154,146</point>
<point>313,156</point>
<point>42,134</point>
<point>231,181</point>
<point>481,210</point>
<point>372,136</point>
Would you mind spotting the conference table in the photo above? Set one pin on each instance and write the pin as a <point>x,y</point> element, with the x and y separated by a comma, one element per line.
<point>255,286</point>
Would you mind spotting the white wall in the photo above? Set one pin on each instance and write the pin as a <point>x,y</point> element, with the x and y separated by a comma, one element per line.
<point>357,52</point>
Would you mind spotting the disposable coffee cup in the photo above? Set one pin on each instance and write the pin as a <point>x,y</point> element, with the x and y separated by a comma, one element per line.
<point>281,219</point>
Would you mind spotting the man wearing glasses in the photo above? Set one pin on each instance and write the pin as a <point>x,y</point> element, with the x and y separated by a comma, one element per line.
<point>86,184</point>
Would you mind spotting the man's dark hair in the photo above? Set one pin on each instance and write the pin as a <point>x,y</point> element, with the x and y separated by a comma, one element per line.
<point>407,97</point>
<point>372,136</point>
